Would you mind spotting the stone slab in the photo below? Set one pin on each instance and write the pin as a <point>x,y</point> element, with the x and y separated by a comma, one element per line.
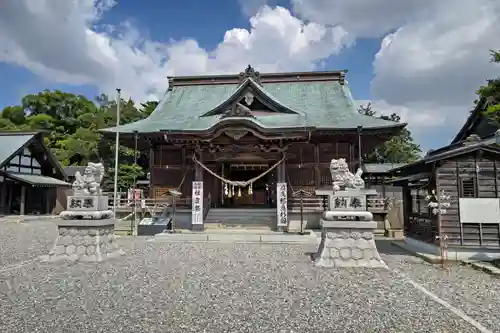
<point>294,225</point>
<point>86,215</point>
<point>328,224</point>
<point>332,215</point>
<point>86,223</point>
<point>236,238</point>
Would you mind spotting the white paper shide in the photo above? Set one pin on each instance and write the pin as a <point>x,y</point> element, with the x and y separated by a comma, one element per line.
<point>197,203</point>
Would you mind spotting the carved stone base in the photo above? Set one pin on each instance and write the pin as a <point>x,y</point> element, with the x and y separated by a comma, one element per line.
<point>348,244</point>
<point>84,240</point>
<point>86,215</point>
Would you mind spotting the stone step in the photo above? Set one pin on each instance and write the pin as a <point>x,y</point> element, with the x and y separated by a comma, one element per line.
<point>237,238</point>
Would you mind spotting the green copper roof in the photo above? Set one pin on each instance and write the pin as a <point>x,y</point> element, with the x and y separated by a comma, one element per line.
<point>11,142</point>
<point>320,104</point>
<point>36,180</point>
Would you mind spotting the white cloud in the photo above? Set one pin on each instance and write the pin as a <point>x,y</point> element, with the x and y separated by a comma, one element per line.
<point>430,65</point>
<point>432,59</point>
<point>277,41</point>
<point>61,40</point>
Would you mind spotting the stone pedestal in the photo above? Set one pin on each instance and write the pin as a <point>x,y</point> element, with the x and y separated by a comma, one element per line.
<point>348,244</point>
<point>87,207</point>
<point>84,240</point>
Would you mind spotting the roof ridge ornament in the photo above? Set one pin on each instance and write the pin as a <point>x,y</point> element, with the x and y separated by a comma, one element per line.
<point>250,72</point>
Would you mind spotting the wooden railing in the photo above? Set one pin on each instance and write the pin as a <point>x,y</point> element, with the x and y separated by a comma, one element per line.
<point>311,204</point>
<point>182,202</point>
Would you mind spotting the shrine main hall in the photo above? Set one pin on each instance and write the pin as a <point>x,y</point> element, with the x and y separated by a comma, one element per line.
<point>244,143</point>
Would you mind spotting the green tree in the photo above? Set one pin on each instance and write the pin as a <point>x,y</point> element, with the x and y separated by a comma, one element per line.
<point>399,149</point>
<point>491,92</point>
<point>72,123</point>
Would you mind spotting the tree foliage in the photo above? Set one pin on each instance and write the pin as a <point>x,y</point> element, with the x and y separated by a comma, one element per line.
<point>72,123</point>
<point>399,149</point>
<point>491,92</point>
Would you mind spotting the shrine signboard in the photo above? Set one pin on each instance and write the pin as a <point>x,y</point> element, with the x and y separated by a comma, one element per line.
<point>197,203</point>
<point>282,200</point>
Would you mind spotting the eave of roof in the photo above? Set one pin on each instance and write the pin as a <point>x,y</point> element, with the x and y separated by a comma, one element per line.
<point>36,180</point>
<point>489,144</point>
<point>374,168</point>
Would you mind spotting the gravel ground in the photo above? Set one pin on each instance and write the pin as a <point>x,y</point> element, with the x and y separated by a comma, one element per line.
<point>474,292</point>
<point>215,287</point>
<point>24,241</point>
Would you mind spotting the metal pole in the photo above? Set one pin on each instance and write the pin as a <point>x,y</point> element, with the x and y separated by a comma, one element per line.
<point>136,135</point>
<point>117,145</point>
<point>301,212</point>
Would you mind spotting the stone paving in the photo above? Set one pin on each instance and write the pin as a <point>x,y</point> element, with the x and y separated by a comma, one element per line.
<point>223,287</point>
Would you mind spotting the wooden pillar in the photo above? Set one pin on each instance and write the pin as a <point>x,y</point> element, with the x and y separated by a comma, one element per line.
<point>23,200</point>
<point>151,168</point>
<point>49,192</point>
<point>317,171</point>
<point>407,205</point>
<point>3,195</point>
<point>9,201</point>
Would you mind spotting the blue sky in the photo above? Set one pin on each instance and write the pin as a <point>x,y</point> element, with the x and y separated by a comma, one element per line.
<point>402,56</point>
<point>198,19</point>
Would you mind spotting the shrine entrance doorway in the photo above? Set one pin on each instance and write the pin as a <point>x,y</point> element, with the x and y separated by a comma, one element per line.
<point>258,195</point>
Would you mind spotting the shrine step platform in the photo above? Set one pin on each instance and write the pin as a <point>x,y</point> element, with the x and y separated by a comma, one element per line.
<point>241,236</point>
<point>242,217</point>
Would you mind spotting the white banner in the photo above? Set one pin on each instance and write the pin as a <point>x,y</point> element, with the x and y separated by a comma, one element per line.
<point>197,203</point>
<point>281,201</point>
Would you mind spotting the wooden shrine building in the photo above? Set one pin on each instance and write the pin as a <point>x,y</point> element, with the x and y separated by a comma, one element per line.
<point>467,170</point>
<point>29,175</point>
<point>255,130</point>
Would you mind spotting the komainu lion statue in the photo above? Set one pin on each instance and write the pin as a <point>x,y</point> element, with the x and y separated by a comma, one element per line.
<point>342,178</point>
<point>90,182</point>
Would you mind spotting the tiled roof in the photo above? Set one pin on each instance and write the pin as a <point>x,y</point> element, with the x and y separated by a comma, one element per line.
<point>320,104</point>
<point>36,180</point>
<point>380,167</point>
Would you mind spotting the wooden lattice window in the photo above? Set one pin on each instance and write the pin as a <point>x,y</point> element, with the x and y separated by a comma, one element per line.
<point>468,188</point>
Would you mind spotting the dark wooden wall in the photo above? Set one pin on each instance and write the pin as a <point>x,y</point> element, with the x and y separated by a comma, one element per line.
<point>472,176</point>
<point>307,166</point>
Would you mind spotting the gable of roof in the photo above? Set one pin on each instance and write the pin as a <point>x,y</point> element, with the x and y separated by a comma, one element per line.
<point>12,142</point>
<point>477,123</point>
<point>320,100</point>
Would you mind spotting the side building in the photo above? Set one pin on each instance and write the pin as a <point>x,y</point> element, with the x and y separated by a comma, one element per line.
<point>467,170</point>
<point>242,135</point>
<point>30,175</point>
